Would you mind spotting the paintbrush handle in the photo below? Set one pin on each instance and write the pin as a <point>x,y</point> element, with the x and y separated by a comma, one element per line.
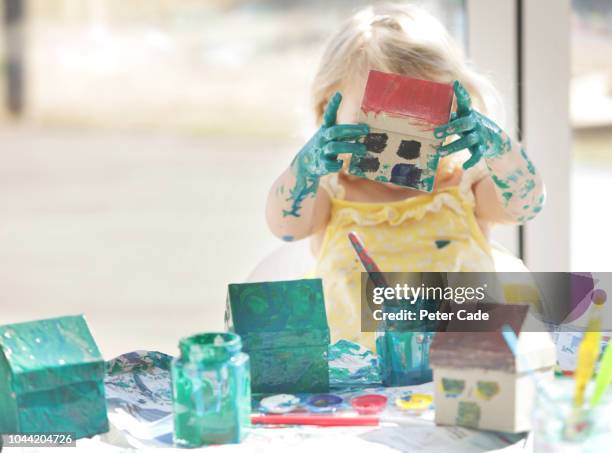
<point>314,420</point>
<point>604,376</point>
<point>587,358</point>
<point>334,420</point>
<point>366,260</point>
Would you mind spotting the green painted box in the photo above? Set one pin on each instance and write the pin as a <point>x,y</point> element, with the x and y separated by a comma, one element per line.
<point>51,378</point>
<point>284,330</point>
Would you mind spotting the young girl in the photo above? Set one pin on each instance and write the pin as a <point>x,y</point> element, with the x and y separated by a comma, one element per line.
<point>404,230</point>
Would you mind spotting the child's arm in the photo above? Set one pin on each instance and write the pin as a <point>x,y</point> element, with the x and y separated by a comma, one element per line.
<point>518,188</point>
<point>296,208</point>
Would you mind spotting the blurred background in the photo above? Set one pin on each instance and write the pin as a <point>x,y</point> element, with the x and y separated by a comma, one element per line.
<point>138,140</point>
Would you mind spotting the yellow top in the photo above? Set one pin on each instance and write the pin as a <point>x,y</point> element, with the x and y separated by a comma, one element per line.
<point>434,232</point>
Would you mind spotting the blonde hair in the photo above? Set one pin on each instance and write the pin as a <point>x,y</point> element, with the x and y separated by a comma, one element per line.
<point>402,39</point>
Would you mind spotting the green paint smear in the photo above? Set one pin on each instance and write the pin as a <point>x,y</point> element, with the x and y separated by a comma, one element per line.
<point>514,177</point>
<point>468,414</point>
<point>453,387</point>
<point>355,169</point>
<point>507,196</point>
<point>427,183</point>
<point>487,389</point>
<point>530,167</point>
<point>306,183</point>
<point>527,188</point>
<point>499,182</point>
<point>442,243</point>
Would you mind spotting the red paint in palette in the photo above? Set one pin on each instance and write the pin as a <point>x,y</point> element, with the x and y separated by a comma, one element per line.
<point>399,95</point>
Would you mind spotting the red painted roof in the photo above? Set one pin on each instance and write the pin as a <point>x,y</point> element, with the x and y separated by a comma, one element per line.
<point>405,96</point>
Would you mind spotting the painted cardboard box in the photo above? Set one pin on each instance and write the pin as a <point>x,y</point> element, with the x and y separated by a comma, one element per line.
<point>480,384</point>
<point>402,113</point>
<point>283,326</point>
<point>51,378</point>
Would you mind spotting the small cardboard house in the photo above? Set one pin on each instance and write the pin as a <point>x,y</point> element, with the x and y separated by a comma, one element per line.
<point>51,378</point>
<point>479,383</point>
<point>283,326</point>
<point>402,113</point>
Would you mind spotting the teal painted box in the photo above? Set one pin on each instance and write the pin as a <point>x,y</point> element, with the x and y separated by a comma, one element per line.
<point>51,378</point>
<point>283,326</point>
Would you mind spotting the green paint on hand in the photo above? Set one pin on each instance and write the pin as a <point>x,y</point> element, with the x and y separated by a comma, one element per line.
<point>481,136</point>
<point>320,155</point>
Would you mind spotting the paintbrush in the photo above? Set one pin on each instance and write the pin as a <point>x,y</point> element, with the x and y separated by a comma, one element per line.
<point>332,420</point>
<point>366,260</point>
<point>604,376</point>
<point>512,342</point>
<point>588,351</point>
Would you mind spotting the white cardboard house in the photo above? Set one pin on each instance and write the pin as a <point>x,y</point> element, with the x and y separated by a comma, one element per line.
<point>480,384</point>
<point>402,113</point>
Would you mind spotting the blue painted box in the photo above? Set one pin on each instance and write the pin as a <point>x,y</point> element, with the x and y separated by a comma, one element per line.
<point>51,378</point>
<point>284,330</point>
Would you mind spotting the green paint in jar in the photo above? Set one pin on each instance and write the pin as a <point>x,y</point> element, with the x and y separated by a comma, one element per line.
<point>211,390</point>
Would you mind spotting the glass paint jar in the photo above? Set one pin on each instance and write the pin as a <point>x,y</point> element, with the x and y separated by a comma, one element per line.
<point>403,348</point>
<point>404,357</point>
<point>559,427</point>
<point>211,390</point>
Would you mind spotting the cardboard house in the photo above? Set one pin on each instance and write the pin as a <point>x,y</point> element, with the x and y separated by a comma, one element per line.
<point>402,113</point>
<point>51,378</point>
<point>479,383</point>
<point>283,326</point>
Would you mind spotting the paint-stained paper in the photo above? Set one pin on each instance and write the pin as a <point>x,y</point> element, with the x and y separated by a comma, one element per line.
<point>402,113</point>
<point>140,409</point>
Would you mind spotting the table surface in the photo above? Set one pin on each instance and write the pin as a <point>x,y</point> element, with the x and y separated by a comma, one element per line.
<point>139,401</point>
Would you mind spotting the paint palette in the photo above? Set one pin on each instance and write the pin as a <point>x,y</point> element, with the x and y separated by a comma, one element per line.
<point>402,113</point>
<point>416,402</point>
<point>279,404</point>
<point>369,404</point>
<point>324,402</point>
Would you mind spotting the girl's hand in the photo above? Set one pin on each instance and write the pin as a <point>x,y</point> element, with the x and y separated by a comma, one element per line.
<point>481,136</point>
<point>320,155</point>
